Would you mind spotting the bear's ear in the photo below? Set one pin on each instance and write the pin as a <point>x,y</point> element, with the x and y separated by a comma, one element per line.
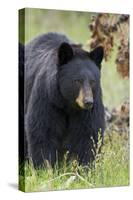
<point>65,53</point>
<point>97,55</point>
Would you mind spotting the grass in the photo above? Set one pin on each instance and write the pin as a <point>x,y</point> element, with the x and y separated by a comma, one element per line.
<point>115,88</point>
<point>111,168</point>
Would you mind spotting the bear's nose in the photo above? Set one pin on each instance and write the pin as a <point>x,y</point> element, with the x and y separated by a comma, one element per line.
<point>88,103</point>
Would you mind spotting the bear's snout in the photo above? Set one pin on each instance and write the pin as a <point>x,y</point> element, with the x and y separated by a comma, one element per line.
<point>88,103</point>
<point>85,98</point>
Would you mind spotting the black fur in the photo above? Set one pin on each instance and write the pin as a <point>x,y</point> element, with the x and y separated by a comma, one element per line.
<point>22,136</point>
<point>55,68</point>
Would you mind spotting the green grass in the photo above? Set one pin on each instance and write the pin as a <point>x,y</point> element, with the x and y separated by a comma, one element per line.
<point>111,168</point>
<point>115,89</point>
<point>39,21</point>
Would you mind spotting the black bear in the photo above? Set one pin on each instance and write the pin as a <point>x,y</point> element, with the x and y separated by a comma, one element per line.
<point>63,99</point>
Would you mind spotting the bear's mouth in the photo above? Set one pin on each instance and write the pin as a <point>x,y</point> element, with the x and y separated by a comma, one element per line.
<point>88,106</point>
<point>88,103</point>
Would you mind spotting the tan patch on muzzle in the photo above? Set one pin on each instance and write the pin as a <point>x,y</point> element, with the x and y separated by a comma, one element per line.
<point>80,98</point>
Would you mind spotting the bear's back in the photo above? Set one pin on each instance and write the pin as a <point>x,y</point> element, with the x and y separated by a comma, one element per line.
<point>47,41</point>
<point>40,55</point>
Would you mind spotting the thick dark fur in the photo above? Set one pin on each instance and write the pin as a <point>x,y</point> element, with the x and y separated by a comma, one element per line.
<point>22,136</point>
<point>54,124</point>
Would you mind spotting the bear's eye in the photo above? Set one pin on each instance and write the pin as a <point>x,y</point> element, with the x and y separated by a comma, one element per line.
<point>78,81</point>
<point>92,82</point>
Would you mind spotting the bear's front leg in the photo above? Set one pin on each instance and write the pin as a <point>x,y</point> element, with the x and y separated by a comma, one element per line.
<point>40,149</point>
<point>40,133</point>
<point>83,137</point>
<point>85,149</point>
<point>87,153</point>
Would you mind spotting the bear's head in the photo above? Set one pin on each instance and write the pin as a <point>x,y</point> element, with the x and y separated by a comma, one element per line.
<point>79,75</point>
